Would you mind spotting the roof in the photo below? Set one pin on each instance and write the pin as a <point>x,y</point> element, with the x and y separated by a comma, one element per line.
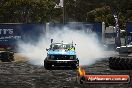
<point>61,43</point>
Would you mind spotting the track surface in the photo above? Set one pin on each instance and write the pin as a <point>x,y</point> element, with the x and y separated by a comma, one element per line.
<point>21,74</point>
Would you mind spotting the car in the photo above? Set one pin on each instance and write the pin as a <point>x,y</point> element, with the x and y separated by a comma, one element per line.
<point>122,61</point>
<point>6,55</point>
<point>61,56</point>
<point>125,49</point>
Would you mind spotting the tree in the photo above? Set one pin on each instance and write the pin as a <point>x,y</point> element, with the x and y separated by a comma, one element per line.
<point>41,11</point>
<point>26,11</point>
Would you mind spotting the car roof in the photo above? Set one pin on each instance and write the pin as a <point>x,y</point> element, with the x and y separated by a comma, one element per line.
<point>62,43</point>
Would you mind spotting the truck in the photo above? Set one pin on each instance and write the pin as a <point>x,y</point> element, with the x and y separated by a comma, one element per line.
<point>125,49</point>
<point>123,60</point>
<point>61,56</point>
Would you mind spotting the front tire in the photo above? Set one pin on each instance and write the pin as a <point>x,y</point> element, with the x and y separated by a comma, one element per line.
<point>47,66</point>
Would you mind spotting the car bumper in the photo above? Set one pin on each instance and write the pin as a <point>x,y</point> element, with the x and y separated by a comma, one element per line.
<point>62,63</point>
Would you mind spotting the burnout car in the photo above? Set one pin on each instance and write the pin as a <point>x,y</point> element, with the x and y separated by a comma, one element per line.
<point>61,55</point>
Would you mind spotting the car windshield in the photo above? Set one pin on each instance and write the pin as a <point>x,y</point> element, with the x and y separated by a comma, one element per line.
<point>61,46</point>
<point>130,43</point>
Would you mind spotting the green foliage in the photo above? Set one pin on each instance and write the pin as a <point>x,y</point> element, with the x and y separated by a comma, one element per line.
<point>41,11</point>
<point>26,11</point>
<point>103,14</point>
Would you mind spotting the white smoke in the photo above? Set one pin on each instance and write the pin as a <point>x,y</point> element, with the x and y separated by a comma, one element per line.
<point>87,46</point>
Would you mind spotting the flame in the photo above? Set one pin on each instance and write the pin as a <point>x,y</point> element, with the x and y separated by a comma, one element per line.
<point>81,71</point>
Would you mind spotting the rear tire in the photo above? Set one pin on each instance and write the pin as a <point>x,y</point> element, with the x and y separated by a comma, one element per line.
<point>5,57</point>
<point>5,60</point>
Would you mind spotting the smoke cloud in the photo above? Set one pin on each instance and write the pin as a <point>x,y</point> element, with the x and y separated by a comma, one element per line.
<point>88,48</point>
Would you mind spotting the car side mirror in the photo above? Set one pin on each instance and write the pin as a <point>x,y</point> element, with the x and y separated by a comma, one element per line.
<point>47,49</point>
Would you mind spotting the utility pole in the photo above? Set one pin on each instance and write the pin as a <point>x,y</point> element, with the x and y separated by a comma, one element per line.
<point>62,6</point>
<point>117,39</point>
<point>64,12</point>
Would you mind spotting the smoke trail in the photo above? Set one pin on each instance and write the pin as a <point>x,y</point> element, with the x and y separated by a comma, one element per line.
<point>87,46</point>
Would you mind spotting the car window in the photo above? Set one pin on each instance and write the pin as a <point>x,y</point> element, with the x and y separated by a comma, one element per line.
<point>130,43</point>
<point>61,46</point>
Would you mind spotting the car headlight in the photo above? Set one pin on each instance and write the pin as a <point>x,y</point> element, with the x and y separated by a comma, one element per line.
<point>52,57</point>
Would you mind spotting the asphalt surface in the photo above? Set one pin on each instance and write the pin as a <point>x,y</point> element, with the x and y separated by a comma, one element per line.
<point>21,74</point>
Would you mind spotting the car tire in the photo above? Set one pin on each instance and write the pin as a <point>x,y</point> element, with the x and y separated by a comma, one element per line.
<point>47,66</point>
<point>120,63</point>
